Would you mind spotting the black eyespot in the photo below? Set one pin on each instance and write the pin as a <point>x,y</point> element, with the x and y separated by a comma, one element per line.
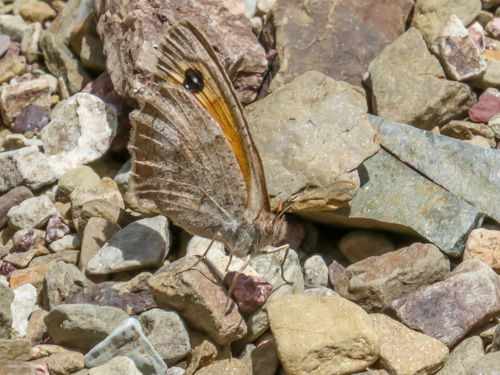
<point>193,81</point>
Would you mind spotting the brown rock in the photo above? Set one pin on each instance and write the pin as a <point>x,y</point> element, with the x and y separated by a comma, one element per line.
<point>463,357</point>
<point>6,299</point>
<point>36,328</point>
<point>361,244</point>
<point>86,26</point>
<point>340,45</point>
<point>11,199</point>
<point>404,351</point>
<point>335,271</point>
<point>37,11</point>
<point>31,275</point>
<point>484,244</point>
<point>65,363</point>
<point>409,85</point>
<point>229,366</point>
<point>67,256</point>
<point>449,309</point>
<point>104,210</point>
<point>15,349</point>
<point>375,282</point>
<point>466,130</point>
<point>197,293</point>
<point>121,25</point>
<point>11,66</point>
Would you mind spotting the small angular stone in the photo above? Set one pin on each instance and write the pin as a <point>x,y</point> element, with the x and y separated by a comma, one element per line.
<point>56,228</point>
<point>97,232</point>
<point>466,130</point>
<point>31,213</point>
<point>13,198</point>
<point>117,366</point>
<point>463,357</point>
<point>29,43</point>
<point>13,26</point>
<point>250,292</point>
<point>33,118</point>
<point>68,242</point>
<point>129,341</point>
<point>487,107</point>
<point>23,305</point>
<point>81,176</point>
<point>37,11</point>
<point>17,368</point>
<point>315,272</point>
<point>486,365</point>
<point>361,244</point>
<point>4,44</point>
<point>65,363</point>
<point>227,366</point>
<point>484,244</point>
<point>67,256</point>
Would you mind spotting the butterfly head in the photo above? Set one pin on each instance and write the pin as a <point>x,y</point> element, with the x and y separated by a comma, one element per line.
<point>273,228</point>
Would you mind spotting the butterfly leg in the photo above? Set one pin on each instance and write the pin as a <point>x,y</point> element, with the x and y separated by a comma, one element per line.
<point>282,266</point>
<point>235,279</point>
<point>203,256</point>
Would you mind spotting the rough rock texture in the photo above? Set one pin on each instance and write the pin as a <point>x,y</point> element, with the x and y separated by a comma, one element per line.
<point>227,366</point>
<point>310,35</point>
<point>327,137</point>
<point>466,130</point>
<point>11,199</point>
<point>375,282</point>
<point>448,162</point>
<point>23,305</point>
<point>237,48</point>
<point>463,357</point>
<point>395,197</point>
<point>25,166</point>
<point>15,349</point>
<point>404,351</point>
<point>82,326</point>
<point>361,244</point>
<point>487,107</point>
<point>80,176</point>
<point>430,15</point>
<point>6,298</point>
<point>451,308</point>
<point>13,25</point>
<point>198,295</point>
<point>484,245</point>
<point>31,213</point>
<point>340,335</point>
<point>488,364</point>
<point>117,366</point>
<point>315,272</point>
<point>80,132</point>
<point>459,55</point>
<point>65,363</point>
<point>409,85</point>
<point>29,43</point>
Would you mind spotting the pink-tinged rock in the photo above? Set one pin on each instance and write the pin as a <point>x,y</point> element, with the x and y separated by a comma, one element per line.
<point>33,118</point>
<point>250,292</point>
<point>28,240</point>
<point>449,309</point>
<point>476,32</point>
<point>56,228</point>
<point>487,107</point>
<point>484,245</point>
<point>493,27</point>
<point>13,49</point>
<point>7,268</point>
<point>11,199</point>
<point>335,271</point>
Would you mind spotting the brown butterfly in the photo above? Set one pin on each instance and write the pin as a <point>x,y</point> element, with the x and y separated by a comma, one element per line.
<point>193,158</point>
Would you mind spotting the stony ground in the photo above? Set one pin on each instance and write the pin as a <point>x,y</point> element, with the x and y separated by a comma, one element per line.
<point>378,120</point>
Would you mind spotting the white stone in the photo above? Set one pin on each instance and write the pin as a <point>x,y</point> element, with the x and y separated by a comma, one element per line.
<point>129,341</point>
<point>175,371</point>
<point>31,213</point>
<point>14,26</point>
<point>29,43</point>
<point>315,272</point>
<point>68,242</point>
<point>494,125</point>
<point>80,132</point>
<point>22,307</point>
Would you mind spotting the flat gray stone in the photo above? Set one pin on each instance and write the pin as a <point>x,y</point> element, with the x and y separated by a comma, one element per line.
<point>470,172</point>
<point>126,250</point>
<point>396,198</point>
<point>129,341</point>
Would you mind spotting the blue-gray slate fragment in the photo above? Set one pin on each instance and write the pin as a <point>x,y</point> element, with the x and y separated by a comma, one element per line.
<point>395,197</point>
<point>468,171</point>
<point>129,341</point>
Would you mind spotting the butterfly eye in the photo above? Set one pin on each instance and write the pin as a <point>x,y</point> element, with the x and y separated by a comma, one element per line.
<point>269,228</point>
<point>193,81</point>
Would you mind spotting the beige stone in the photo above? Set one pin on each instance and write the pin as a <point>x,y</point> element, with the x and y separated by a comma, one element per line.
<point>37,11</point>
<point>10,67</point>
<point>81,176</point>
<point>228,367</point>
<point>322,335</point>
<point>14,98</point>
<point>407,352</point>
<point>484,244</point>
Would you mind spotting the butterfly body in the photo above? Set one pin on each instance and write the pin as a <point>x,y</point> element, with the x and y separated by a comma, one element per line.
<point>193,158</point>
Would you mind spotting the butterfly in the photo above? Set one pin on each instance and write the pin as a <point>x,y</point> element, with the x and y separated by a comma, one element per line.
<point>193,158</point>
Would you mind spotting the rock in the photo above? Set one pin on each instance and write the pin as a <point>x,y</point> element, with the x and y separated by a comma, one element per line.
<point>463,357</point>
<point>466,130</point>
<point>80,176</point>
<point>11,66</point>
<point>453,163</point>
<point>428,209</point>
<point>23,305</point>
<point>375,282</point>
<point>31,213</point>
<point>21,259</point>
<point>484,245</point>
<point>133,297</point>
<point>471,291</point>
<point>4,44</point>
<point>487,107</point>
<point>29,43</point>
<point>14,98</point>
<point>37,11</point>
<point>45,350</point>
<point>92,54</point>
<point>167,333</point>
<point>492,76</point>
<point>237,48</point>
<point>15,349</point>
<point>426,99</point>
<point>65,363</point>
<point>32,118</point>
<point>80,132</point>
<point>14,26</point>
<point>67,256</point>
<point>306,40</point>
<point>17,368</point>
<point>97,232</point>
<point>129,341</point>
<point>487,365</point>
<point>324,125</point>
<point>68,242</point>
<point>404,351</point>
<point>116,366</point>
<point>361,244</point>
<point>62,282</point>
<point>13,198</point>
<point>82,326</point>
<point>56,228</point>
<point>249,292</point>
<point>125,251</point>
<point>315,272</point>
<point>493,27</point>
<point>327,322</point>
<point>32,275</point>
<point>36,328</point>
<point>430,15</point>
<point>262,359</point>
<point>476,32</point>
<point>106,210</point>
<point>227,366</point>
<point>198,295</point>
<point>457,51</point>
<point>6,299</point>
<point>494,125</point>
<point>322,291</point>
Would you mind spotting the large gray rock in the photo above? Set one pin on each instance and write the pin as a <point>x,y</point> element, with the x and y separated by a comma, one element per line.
<point>409,85</point>
<point>395,197</point>
<point>463,357</point>
<point>82,326</point>
<point>470,172</point>
<point>326,138</point>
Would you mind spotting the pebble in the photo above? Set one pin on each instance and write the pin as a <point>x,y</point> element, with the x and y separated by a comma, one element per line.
<point>37,11</point>
<point>80,176</point>
<point>31,213</point>
<point>32,118</point>
<point>14,26</point>
<point>65,363</point>
<point>117,366</point>
<point>361,244</point>
<point>56,228</point>
<point>487,107</point>
<point>11,199</point>
<point>4,44</point>
<point>463,357</point>
<point>484,245</point>
<point>315,272</point>
<point>68,242</point>
<point>29,43</point>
